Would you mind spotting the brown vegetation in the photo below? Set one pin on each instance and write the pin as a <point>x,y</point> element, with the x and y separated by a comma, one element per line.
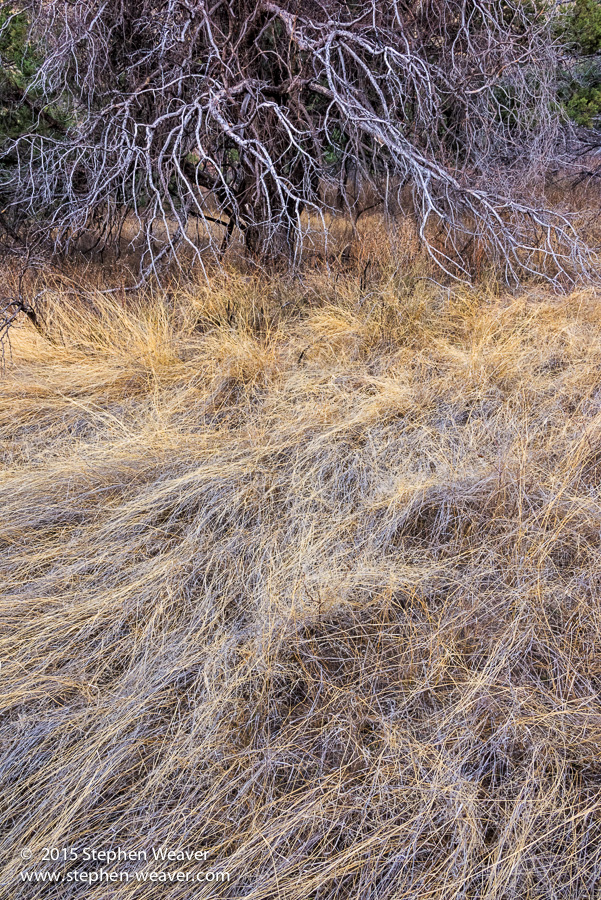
<point>306,574</point>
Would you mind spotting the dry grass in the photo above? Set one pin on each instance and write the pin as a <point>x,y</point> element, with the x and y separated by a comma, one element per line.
<point>307,575</point>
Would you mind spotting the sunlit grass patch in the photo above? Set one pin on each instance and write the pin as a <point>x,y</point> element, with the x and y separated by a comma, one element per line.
<point>307,574</point>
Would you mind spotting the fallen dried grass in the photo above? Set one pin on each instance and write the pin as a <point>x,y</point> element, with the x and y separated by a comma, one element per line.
<point>307,575</point>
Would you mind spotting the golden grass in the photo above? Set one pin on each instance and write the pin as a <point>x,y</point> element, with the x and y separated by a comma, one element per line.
<point>309,576</point>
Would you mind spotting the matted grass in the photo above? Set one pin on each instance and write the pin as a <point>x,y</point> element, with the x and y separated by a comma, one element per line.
<point>307,575</point>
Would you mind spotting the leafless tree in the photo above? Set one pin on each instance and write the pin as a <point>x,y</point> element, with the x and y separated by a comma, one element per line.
<point>252,115</point>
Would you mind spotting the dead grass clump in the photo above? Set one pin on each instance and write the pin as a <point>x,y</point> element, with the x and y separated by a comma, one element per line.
<point>305,575</point>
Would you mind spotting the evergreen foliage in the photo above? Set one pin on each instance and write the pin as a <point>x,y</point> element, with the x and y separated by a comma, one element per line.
<point>18,64</point>
<point>580,84</point>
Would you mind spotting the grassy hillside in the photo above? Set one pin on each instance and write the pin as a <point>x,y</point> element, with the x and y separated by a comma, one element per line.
<point>306,575</point>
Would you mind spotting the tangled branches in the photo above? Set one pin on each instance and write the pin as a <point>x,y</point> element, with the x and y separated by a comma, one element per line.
<point>260,116</point>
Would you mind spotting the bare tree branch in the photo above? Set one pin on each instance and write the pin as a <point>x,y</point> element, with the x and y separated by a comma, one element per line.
<point>250,114</point>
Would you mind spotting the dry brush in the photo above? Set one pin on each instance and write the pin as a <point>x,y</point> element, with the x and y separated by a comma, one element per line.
<point>309,577</point>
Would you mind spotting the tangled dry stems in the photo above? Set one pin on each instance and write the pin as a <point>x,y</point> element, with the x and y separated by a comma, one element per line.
<point>310,577</point>
<point>189,122</point>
